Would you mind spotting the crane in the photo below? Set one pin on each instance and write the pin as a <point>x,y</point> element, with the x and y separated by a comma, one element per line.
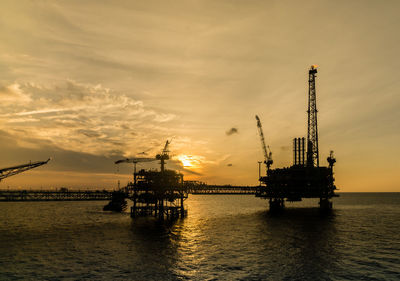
<point>164,155</point>
<point>135,161</point>
<point>267,151</point>
<point>11,171</point>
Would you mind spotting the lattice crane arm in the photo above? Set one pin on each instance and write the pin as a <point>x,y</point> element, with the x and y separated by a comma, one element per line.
<point>165,150</point>
<point>134,160</point>
<point>267,151</point>
<point>11,171</point>
<point>164,155</point>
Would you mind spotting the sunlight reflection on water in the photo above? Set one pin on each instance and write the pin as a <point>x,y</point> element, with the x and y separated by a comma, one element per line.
<point>223,238</point>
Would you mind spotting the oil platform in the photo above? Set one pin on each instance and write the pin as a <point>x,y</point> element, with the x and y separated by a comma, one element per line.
<point>154,193</point>
<point>305,178</point>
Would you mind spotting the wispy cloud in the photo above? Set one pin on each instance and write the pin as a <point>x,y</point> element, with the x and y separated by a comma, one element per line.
<point>79,117</point>
<point>12,94</point>
<point>42,111</point>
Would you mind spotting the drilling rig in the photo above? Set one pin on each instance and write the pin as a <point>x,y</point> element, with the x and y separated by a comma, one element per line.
<point>305,178</point>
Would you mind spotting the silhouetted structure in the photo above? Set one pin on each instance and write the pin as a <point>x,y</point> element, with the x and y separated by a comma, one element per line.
<point>55,195</point>
<point>312,129</point>
<point>116,198</point>
<point>153,193</point>
<point>267,154</point>
<point>158,193</point>
<point>117,203</point>
<point>305,178</point>
<point>196,187</point>
<point>11,171</point>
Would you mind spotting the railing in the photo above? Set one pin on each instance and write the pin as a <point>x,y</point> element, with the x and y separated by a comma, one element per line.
<point>89,195</point>
<point>221,189</point>
<point>53,195</point>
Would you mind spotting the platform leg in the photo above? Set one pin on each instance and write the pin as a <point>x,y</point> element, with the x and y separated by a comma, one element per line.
<point>182,208</point>
<point>276,204</point>
<point>325,204</point>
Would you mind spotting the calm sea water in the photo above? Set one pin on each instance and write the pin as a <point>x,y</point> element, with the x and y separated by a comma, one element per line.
<point>223,238</point>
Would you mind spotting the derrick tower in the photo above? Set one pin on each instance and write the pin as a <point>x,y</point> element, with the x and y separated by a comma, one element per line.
<point>312,131</point>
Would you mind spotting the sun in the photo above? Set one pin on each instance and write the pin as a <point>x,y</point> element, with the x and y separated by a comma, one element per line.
<point>186,160</point>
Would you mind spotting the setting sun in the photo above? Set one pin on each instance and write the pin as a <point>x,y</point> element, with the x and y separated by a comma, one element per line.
<point>186,160</point>
<point>191,161</point>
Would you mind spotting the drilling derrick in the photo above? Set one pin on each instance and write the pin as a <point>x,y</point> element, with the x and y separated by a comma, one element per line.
<point>312,132</point>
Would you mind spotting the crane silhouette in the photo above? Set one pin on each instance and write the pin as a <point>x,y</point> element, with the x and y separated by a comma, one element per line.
<point>267,151</point>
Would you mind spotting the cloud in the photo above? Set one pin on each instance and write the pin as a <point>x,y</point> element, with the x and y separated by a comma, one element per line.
<point>80,117</point>
<point>191,172</point>
<point>232,131</point>
<point>12,94</point>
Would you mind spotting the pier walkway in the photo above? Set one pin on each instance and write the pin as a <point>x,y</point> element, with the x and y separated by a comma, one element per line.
<point>91,195</point>
<point>54,195</point>
<point>222,189</point>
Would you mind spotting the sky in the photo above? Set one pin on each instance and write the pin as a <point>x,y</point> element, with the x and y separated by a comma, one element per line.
<point>91,82</point>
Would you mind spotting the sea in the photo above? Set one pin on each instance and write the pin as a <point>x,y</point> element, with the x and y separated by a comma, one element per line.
<point>223,237</point>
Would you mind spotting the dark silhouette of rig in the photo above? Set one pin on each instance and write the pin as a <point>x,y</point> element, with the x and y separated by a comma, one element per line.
<point>305,178</point>
<point>154,193</point>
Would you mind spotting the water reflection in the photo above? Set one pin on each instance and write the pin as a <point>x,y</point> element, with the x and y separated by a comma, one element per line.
<point>303,244</point>
<point>155,245</point>
<point>223,238</point>
<point>300,243</point>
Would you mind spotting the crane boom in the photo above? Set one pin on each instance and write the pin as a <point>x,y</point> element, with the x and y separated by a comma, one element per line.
<point>267,155</point>
<point>11,171</point>
<point>165,150</point>
<point>135,160</point>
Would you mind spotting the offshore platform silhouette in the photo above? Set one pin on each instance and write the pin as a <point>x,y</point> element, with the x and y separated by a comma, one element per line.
<point>305,178</point>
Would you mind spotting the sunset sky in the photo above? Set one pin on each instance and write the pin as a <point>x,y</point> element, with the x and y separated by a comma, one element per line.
<point>91,82</point>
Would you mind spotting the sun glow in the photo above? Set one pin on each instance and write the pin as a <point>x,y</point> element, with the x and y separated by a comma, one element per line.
<point>191,161</point>
<point>186,160</point>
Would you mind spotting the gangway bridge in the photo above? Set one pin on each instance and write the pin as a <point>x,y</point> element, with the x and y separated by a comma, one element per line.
<point>102,195</point>
<point>222,189</point>
<point>54,195</point>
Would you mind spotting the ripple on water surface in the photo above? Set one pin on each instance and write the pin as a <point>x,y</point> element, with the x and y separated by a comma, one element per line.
<point>223,238</point>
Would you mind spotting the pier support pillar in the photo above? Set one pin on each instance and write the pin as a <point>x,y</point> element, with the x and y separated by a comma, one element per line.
<point>161,210</point>
<point>182,208</point>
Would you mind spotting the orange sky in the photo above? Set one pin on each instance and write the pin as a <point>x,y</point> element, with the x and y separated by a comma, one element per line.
<point>90,82</point>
